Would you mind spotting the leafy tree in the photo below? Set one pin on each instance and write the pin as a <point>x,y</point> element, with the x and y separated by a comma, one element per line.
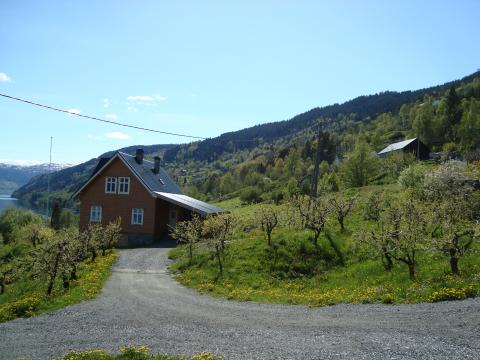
<point>454,113</point>
<point>12,219</point>
<point>423,123</point>
<point>55,218</point>
<point>469,129</point>
<point>250,195</point>
<point>360,167</point>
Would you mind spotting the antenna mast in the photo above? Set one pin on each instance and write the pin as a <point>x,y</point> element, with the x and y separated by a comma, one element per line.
<point>48,177</point>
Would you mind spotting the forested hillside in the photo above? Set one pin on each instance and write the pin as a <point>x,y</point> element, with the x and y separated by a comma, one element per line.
<point>270,161</point>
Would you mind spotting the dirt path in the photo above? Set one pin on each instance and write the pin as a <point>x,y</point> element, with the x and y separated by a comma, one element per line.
<point>142,304</point>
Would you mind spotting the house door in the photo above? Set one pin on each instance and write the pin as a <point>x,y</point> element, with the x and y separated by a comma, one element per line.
<point>172,217</point>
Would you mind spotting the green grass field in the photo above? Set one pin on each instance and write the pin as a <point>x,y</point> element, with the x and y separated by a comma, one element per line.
<point>26,296</point>
<point>294,272</point>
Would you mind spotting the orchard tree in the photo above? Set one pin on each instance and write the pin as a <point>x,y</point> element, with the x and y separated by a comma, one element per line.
<point>188,232</point>
<point>453,234</point>
<point>342,207</point>
<point>314,213</point>
<point>111,235</point>
<point>268,218</point>
<point>217,232</point>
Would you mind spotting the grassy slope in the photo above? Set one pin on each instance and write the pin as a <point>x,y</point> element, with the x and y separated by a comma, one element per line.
<point>362,280</point>
<point>26,297</point>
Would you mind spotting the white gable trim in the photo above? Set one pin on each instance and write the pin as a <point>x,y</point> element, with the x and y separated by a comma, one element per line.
<point>117,155</point>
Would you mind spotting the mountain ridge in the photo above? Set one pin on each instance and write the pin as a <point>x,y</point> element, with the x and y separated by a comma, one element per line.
<point>198,159</point>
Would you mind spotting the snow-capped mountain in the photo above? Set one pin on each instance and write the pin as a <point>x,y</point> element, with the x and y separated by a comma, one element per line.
<point>15,173</point>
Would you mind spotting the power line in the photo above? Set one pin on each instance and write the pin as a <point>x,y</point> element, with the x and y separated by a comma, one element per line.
<point>98,119</point>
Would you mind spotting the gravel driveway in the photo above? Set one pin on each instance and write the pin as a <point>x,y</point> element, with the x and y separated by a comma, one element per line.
<point>142,304</point>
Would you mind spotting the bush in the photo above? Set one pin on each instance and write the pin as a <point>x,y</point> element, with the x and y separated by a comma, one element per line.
<point>250,195</point>
<point>12,219</point>
<point>412,177</point>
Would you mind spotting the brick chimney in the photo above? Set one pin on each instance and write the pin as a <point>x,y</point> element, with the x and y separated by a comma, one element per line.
<point>156,164</point>
<point>139,156</point>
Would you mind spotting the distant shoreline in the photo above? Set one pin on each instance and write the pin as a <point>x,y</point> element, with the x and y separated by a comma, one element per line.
<point>7,197</point>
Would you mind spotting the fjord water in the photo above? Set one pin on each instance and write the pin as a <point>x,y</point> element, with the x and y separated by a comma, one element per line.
<point>6,201</point>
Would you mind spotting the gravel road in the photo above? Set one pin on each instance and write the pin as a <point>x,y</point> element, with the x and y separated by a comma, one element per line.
<point>142,304</point>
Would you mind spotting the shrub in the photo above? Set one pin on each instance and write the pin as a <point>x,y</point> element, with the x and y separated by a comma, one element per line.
<point>250,195</point>
<point>412,176</point>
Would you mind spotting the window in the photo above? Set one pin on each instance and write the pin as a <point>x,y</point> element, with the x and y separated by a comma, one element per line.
<point>111,185</point>
<point>95,213</point>
<point>137,216</point>
<point>123,185</point>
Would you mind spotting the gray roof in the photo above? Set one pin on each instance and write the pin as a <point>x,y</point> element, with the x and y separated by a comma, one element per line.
<point>154,182</point>
<point>160,185</point>
<point>189,203</point>
<point>396,146</point>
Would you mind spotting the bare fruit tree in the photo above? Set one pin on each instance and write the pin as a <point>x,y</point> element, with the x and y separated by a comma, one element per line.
<point>188,232</point>
<point>314,213</point>
<point>453,233</point>
<point>268,218</point>
<point>217,232</point>
<point>342,207</point>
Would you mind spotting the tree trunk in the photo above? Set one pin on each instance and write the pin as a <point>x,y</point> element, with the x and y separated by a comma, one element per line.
<point>454,265</point>
<point>73,273</point>
<point>53,275</point>
<point>340,221</point>
<point>411,270</point>
<point>387,263</point>
<point>2,288</point>
<point>66,281</point>
<point>269,238</point>
<point>220,265</point>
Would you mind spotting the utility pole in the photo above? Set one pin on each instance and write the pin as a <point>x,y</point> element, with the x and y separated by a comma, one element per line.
<point>313,192</point>
<point>48,178</point>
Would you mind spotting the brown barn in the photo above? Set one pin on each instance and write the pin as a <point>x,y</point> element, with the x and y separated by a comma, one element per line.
<point>139,192</point>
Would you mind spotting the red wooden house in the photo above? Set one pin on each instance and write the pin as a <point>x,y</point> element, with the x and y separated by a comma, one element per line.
<point>141,193</point>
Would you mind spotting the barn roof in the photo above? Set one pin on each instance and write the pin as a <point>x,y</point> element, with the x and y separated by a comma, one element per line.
<point>396,146</point>
<point>190,203</point>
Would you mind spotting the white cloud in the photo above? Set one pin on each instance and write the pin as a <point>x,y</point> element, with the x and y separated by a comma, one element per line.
<point>117,135</point>
<point>111,116</point>
<point>4,77</point>
<point>147,98</point>
<point>106,103</point>
<point>132,109</point>
<point>74,111</point>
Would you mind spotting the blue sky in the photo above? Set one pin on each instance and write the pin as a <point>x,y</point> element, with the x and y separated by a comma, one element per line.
<point>208,67</point>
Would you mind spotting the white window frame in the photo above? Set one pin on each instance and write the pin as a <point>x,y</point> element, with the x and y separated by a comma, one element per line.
<point>123,181</point>
<point>110,181</point>
<point>137,216</point>
<point>95,214</point>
